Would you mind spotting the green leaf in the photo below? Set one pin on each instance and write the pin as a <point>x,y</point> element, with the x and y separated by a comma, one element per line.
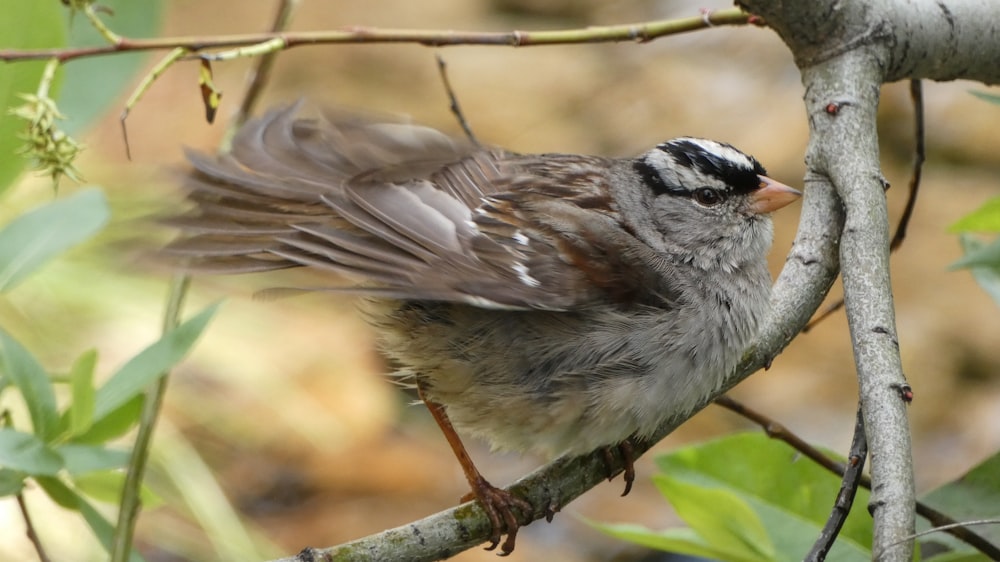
<point>37,236</point>
<point>680,540</point>
<point>792,497</point>
<point>133,378</point>
<point>17,364</point>
<point>992,98</point>
<point>117,423</point>
<point>983,219</point>
<point>107,487</point>
<point>68,498</point>
<point>91,86</point>
<point>24,25</point>
<point>27,453</point>
<point>739,532</point>
<point>81,459</point>
<point>978,253</point>
<point>81,378</point>
<point>959,557</point>
<point>11,482</point>
<point>988,276</point>
<point>975,495</point>
<point>57,492</point>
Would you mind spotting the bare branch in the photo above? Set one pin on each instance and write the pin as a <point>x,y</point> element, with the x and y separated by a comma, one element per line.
<point>635,32</point>
<point>852,476</point>
<point>30,530</point>
<point>844,145</point>
<point>776,430</point>
<point>919,155</point>
<point>453,104</point>
<point>261,72</point>
<point>959,530</point>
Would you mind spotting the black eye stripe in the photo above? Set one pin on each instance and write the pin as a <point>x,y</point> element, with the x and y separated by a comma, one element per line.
<point>652,178</point>
<point>741,178</point>
<point>655,182</point>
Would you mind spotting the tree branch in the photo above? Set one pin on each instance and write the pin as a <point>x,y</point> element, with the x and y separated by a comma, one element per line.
<point>30,530</point>
<point>942,40</point>
<point>260,73</point>
<point>919,155</point>
<point>637,32</point>
<point>844,145</point>
<point>916,168</point>
<point>851,477</point>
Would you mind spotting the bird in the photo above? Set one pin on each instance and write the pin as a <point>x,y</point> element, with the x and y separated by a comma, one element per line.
<point>551,303</point>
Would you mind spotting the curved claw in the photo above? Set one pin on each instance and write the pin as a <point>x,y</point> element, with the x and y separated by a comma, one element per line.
<point>628,458</point>
<point>499,505</point>
<point>550,511</point>
<point>627,451</point>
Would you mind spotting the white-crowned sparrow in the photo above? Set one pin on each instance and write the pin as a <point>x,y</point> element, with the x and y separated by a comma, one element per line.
<point>547,302</point>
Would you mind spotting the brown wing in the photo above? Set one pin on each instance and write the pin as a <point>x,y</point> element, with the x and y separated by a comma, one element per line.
<point>405,210</point>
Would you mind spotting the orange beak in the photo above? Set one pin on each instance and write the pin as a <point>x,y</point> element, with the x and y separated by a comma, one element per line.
<point>772,196</point>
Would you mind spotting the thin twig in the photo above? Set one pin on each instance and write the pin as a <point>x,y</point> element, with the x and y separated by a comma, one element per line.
<point>919,155</point>
<point>173,56</point>
<point>90,11</point>
<point>261,72</point>
<point>845,497</point>
<point>776,430</point>
<point>453,105</point>
<point>916,170</point>
<point>637,32</point>
<point>944,528</point>
<point>30,530</point>
<point>945,523</point>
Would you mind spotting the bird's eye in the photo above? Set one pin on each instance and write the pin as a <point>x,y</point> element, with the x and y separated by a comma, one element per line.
<point>707,196</point>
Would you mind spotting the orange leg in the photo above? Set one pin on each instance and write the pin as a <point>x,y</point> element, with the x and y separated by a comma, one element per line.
<point>497,502</point>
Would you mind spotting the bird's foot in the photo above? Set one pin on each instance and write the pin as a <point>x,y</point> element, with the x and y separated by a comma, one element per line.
<point>499,505</point>
<point>627,450</point>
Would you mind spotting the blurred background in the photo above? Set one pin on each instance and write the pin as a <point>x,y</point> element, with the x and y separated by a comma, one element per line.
<point>280,430</point>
